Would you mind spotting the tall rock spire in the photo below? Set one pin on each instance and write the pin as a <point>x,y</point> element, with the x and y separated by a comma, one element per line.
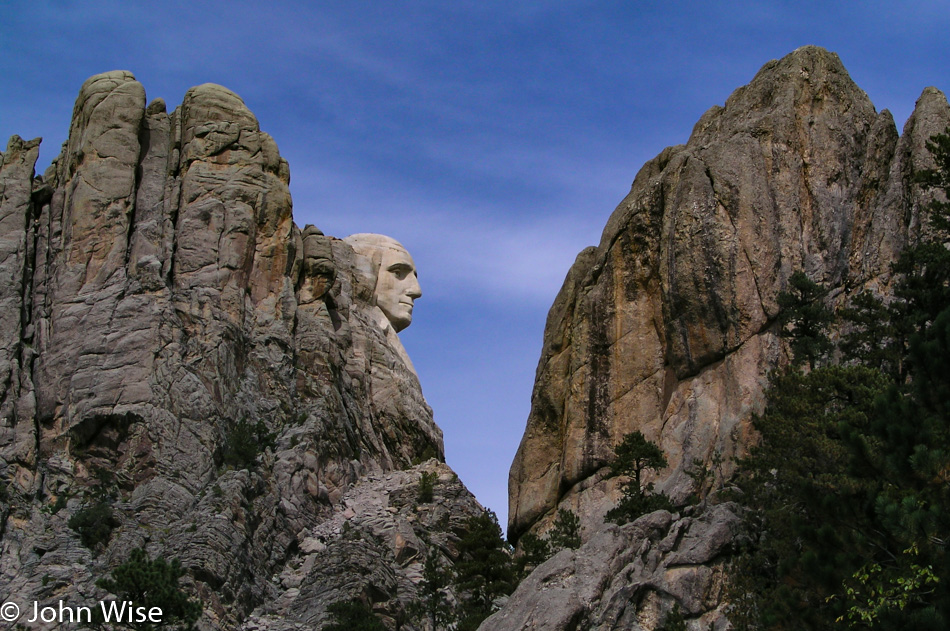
<point>668,326</point>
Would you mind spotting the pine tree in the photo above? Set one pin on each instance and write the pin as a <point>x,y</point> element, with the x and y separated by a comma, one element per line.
<point>938,179</point>
<point>426,489</point>
<point>802,309</point>
<point>849,489</point>
<point>534,552</point>
<point>353,615</point>
<point>566,532</point>
<point>809,484</point>
<point>674,620</point>
<point>433,605</point>
<point>153,583</point>
<point>484,570</point>
<point>923,269</point>
<point>632,457</point>
<point>94,524</point>
<point>873,339</point>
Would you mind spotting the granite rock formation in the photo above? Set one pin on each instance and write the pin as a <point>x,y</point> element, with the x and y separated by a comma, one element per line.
<point>669,325</point>
<point>630,577</point>
<point>387,532</point>
<point>173,346</point>
<point>171,341</point>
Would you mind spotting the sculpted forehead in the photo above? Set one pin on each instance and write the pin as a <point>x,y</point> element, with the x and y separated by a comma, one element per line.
<point>367,244</point>
<point>396,254</point>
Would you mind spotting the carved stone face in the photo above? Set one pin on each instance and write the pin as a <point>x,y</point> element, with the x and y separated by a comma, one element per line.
<point>397,286</point>
<point>397,283</point>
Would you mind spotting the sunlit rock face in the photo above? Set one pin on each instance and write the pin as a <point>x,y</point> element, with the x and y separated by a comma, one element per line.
<point>669,325</point>
<point>158,306</point>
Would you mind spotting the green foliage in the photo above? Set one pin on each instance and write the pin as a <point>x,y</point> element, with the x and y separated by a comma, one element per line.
<point>923,270</point>
<point>876,593</point>
<point>634,504</point>
<point>674,621</point>
<point>484,570</point>
<point>534,552</point>
<point>353,615</point>
<point>924,289</point>
<point>633,456</point>
<point>59,504</point>
<point>938,179</point>
<point>428,452</point>
<point>426,486</point>
<point>93,524</point>
<point>810,490</point>
<point>849,489</point>
<point>245,442</point>
<point>433,605</point>
<point>105,480</point>
<point>705,476</point>
<point>873,339</point>
<point>566,532</point>
<point>804,319</point>
<point>153,583</point>
<point>471,617</point>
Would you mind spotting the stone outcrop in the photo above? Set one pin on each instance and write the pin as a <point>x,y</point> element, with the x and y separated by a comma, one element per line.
<point>629,578</point>
<point>384,528</point>
<point>173,343</point>
<point>669,325</point>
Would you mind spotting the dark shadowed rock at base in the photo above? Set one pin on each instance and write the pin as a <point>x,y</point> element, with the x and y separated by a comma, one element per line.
<point>174,347</point>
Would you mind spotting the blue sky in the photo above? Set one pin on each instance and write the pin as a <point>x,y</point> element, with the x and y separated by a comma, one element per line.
<point>492,138</point>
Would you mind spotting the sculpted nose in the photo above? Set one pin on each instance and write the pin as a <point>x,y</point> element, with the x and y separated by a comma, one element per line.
<point>414,291</point>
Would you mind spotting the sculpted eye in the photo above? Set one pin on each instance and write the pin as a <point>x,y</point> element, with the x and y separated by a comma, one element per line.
<point>400,271</point>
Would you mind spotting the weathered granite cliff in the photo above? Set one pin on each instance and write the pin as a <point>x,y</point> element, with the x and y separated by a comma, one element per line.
<point>171,341</point>
<point>173,346</point>
<point>669,326</point>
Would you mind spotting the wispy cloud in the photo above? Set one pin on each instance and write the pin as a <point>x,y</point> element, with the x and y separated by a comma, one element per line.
<point>492,138</point>
<point>500,251</point>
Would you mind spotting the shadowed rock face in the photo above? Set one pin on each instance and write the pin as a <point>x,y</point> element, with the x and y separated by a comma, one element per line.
<point>156,301</point>
<point>668,326</point>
